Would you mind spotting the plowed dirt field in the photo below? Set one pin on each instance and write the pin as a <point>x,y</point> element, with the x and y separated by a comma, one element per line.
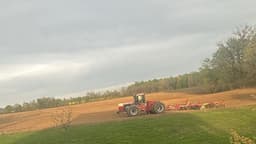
<point>103,111</point>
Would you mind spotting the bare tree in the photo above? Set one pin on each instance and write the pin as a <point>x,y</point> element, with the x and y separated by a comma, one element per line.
<point>63,118</point>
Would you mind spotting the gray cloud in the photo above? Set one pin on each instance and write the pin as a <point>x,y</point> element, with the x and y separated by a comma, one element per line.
<point>57,47</point>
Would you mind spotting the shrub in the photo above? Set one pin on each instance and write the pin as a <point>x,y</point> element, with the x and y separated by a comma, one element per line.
<point>238,139</point>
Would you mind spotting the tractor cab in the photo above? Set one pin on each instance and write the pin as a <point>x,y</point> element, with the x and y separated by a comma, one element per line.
<point>139,98</point>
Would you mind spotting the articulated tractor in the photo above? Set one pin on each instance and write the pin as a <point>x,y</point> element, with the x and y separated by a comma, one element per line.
<point>140,105</point>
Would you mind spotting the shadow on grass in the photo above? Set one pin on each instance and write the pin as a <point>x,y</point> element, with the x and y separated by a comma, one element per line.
<point>165,129</point>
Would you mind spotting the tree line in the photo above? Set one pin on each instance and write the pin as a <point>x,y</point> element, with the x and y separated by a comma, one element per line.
<point>232,66</point>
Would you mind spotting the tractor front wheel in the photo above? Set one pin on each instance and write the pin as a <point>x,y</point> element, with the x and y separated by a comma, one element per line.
<point>132,111</point>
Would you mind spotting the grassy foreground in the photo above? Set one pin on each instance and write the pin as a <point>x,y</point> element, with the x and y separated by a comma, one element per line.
<point>211,127</point>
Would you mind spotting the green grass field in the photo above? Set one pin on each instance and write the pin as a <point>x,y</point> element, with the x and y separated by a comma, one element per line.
<point>211,127</point>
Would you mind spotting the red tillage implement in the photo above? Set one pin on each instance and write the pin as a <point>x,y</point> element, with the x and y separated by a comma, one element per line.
<point>196,106</point>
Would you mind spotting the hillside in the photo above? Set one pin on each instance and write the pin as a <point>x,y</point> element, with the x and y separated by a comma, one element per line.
<point>102,111</point>
<point>212,127</point>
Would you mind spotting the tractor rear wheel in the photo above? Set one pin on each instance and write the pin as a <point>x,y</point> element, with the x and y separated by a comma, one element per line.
<point>158,107</point>
<point>132,110</point>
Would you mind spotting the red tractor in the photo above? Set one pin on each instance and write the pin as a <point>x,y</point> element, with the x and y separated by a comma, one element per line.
<point>141,105</point>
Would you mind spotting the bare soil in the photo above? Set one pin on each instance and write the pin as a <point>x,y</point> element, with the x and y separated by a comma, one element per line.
<point>102,111</point>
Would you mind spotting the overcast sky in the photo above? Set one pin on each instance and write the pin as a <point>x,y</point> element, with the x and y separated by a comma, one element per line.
<point>62,47</point>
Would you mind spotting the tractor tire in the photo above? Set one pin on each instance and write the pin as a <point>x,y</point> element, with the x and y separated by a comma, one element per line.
<point>158,107</point>
<point>132,111</point>
<point>126,107</point>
